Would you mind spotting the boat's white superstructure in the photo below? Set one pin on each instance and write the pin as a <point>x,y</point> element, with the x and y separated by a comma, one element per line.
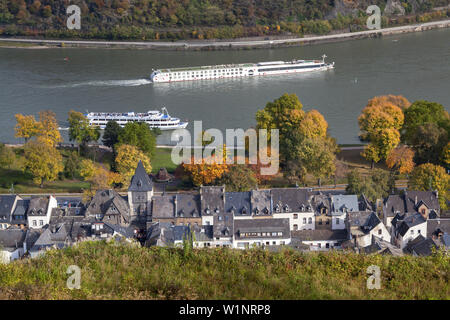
<point>155,119</point>
<point>239,70</point>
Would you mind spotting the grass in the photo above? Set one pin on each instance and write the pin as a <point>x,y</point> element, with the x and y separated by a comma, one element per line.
<point>120,271</point>
<point>162,159</point>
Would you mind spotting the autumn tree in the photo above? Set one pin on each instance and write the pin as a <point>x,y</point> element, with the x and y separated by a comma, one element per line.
<point>380,122</point>
<point>127,160</point>
<point>26,127</point>
<point>399,101</point>
<point>80,130</point>
<point>48,129</point>
<point>401,159</point>
<point>239,177</point>
<point>429,177</point>
<point>42,161</point>
<point>445,156</point>
<point>99,177</point>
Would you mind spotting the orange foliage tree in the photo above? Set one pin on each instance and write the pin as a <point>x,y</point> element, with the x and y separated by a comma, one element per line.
<point>401,159</point>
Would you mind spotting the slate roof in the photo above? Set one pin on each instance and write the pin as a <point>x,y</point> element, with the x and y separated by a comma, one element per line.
<point>102,201</point>
<point>409,222</point>
<point>127,232</point>
<point>363,221</point>
<point>20,211</point>
<point>187,205</point>
<point>38,206</point>
<point>365,204</point>
<point>380,246</point>
<point>344,203</point>
<point>434,226</point>
<point>212,200</point>
<point>261,202</point>
<point>163,206</point>
<point>320,200</point>
<point>320,235</point>
<point>238,203</point>
<point>413,199</point>
<point>11,239</point>
<point>420,246</point>
<point>393,204</point>
<point>262,225</point>
<point>290,200</point>
<point>141,181</point>
<point>6,207</point>
<point>203,233</point>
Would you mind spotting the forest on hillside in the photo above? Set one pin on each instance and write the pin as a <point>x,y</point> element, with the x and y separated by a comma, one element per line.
<point>206,19</point>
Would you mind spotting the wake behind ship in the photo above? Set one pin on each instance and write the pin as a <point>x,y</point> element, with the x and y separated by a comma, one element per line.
<point>154,119</point>
<point>239,70</point>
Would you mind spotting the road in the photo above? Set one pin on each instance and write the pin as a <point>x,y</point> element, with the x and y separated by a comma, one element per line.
<point>194,44</point>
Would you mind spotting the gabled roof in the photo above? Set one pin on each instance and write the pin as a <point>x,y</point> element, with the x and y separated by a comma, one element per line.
<point>102,201</point>
<point>12,238</point>
<point>344,203</point>
<point>212,199</point>
<point>320,235</point>
<point>38,206</point>
<point>414,198</point>
<point>188,205</point>
<point>141,181</point>
<point>409,222</point>
<point>293,199</point>
<point>261,202</point>
<point>420,246</point>
<point>163,206</point>
<point>6,207</point>
<point>238,203</point>
<point>394,204</point>
<point>263,225</point>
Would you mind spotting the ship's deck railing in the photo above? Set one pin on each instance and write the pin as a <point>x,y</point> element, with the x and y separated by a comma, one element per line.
<point>222,66</point>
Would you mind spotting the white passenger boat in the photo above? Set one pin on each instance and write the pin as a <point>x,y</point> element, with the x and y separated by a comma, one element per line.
<point>155,119</point>
<point>239,70</point>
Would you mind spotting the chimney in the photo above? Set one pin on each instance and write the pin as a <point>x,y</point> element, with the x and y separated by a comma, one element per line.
<point>415,200</point>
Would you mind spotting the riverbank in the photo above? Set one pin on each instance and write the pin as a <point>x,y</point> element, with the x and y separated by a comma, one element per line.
<point>222,45</point>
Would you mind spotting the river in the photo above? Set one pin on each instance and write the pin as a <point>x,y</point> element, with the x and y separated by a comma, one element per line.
<point>416,65</point>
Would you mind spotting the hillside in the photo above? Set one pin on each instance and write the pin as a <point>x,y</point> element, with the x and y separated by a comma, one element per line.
<point>205,19</point>
<point>118,271</point>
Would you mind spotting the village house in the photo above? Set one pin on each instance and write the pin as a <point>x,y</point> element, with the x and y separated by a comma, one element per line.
<point>294,204</point>
<point>261,232</point>
<point>362,227</point>
<point>406,227</point>
<point>39,211</point>
<point>11,244</point>
<point>8,205</point>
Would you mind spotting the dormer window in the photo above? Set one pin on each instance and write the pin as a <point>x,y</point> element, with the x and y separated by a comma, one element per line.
<point>217,210</point>
<point>244,210</point>
<point>256,211</point>
<point>266,211</point>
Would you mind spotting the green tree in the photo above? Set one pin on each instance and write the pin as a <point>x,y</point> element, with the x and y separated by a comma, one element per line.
<point>239,178</point>
<point>138,134</point>
<point>429,177</point>
<point>375,186</point>
<point>7,156</point>
<point>420,113</point>
<point>80,130</point>
<point>72,165</point>
<point>428,141</point>
<point>111,134</point>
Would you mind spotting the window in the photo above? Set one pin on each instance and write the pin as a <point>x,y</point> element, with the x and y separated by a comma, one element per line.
<point>319,245</point>
<point>34,223</point>
<point>320,221</point>
<point>295,227</point>
<point>327,245</point>
<point>418,231</point>
<point>380,231</point>
<point>41,222</point>
<point>337,220</point>
<point>309,220</point>
<point>412,231</point>
<point>295,216</point>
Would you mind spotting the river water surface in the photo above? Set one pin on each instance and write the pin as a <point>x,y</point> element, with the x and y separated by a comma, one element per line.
<point>416,65</point>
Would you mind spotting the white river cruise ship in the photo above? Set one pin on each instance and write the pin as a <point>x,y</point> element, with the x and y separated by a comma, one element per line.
<point>155,119</point>
<point>239,70</point>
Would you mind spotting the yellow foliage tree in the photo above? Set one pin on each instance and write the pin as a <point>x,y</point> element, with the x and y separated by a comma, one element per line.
<point>26,127</point>
<point>446,154</point>
<point>48,133</point>
<point>42,161</point>
<point>401,159</point>
<point>313,125</point>
<point>399,101</point>
<point>127,160</point>
<point>99,177</point>
<point>427,177</point>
